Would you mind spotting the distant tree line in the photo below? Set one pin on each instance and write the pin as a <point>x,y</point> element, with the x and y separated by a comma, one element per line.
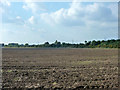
<point>87,44</point>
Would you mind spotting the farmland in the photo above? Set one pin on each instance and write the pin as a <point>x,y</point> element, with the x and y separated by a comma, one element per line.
<point>60,68</point>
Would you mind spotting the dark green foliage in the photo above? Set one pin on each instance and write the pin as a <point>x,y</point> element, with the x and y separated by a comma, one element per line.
<point>46,44</point>
<point>26,45</point>
<point>13,45</point>
<point>88,44</point>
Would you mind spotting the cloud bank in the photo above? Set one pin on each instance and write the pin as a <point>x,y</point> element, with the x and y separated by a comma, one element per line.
<point>77,21</point>
<point>80,14</point>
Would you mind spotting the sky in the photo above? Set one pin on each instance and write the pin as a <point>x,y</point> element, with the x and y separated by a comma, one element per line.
<point>73,22</point>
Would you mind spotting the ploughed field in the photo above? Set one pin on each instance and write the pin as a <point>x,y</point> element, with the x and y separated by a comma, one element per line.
<point>57,68</point>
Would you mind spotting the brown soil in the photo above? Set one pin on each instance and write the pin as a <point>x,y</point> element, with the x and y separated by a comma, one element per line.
<point>60,68</point>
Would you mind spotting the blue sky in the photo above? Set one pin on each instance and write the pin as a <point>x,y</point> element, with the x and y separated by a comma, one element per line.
<point>38,22</point>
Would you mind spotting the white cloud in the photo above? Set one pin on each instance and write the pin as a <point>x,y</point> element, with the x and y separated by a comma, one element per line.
<point>80,14</point>
<point>31,20</point>
<point>18,17</point>
<point>1,10</point>
<point>114,8</point>
<point>13,20</point>
<point>5,2</point>
<point>34,7</point>
<point>31,6</point>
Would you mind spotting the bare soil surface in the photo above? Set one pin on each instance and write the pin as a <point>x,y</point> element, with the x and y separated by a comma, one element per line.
<point>67,69</point>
